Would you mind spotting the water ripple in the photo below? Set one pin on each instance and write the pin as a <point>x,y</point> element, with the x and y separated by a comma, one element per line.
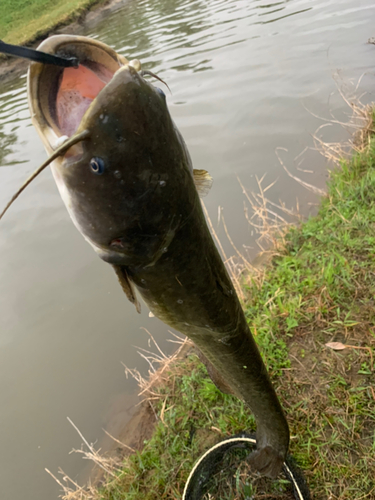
<point>240,72</point>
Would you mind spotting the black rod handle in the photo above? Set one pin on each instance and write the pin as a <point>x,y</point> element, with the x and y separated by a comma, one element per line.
<point>37,55</point>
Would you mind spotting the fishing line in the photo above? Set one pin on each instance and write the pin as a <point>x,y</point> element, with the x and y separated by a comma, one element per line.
<point>203,469</point>
<point>37,55</point>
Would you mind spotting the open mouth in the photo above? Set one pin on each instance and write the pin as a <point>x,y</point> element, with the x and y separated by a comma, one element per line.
<point>59,97</point>
<point>76,90</point>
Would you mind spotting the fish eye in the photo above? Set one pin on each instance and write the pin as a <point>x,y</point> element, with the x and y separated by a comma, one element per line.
<point>97,165</point>
<point>160,92</point>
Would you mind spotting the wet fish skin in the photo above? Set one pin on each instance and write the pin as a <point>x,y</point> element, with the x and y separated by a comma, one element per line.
<point>139,201</point>
<point>143,215</point>
<point>201,303</point>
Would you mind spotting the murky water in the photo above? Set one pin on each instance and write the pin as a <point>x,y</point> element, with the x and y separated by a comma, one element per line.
<point>247,77</point>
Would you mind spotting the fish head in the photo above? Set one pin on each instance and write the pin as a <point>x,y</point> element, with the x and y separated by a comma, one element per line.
<point>128,185</point>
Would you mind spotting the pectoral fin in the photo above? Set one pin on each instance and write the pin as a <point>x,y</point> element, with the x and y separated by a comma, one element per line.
<point>127,286</point>
<point>203,182</point>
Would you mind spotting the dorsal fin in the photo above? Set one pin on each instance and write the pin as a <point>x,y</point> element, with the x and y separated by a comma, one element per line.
<point>127,286</point>
<point>203,182</point>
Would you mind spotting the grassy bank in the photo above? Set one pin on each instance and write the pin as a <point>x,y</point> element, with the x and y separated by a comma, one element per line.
<point>22,21</point>
<point>312,312</point>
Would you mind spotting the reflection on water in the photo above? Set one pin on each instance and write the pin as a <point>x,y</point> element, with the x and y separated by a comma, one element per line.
<point>242,75</point>
<point>6,141</point>
<point>13,109</point>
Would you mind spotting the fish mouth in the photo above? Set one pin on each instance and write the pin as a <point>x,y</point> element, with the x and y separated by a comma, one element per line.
<point>59,97</point>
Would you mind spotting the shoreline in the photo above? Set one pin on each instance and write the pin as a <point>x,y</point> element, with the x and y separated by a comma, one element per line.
<point>297,354</point>
<point>76,24</point>
<point>311,312</point>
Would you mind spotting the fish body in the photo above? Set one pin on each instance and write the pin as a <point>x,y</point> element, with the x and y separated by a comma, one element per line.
<point>130,189</point>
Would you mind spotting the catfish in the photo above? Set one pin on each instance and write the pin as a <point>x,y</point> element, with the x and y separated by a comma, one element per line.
<point>126,177</point>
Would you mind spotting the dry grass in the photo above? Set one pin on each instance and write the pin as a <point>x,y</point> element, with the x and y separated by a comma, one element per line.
<point>111,465</point>
<point>315,293</point>
<point>359,124</point>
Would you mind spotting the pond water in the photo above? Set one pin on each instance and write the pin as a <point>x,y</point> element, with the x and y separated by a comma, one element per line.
<point>246,77</point>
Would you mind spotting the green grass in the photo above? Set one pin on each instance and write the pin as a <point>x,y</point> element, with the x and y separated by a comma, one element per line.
<point>320,288</point>
<point>23,21</point>
<point>195,416</point>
